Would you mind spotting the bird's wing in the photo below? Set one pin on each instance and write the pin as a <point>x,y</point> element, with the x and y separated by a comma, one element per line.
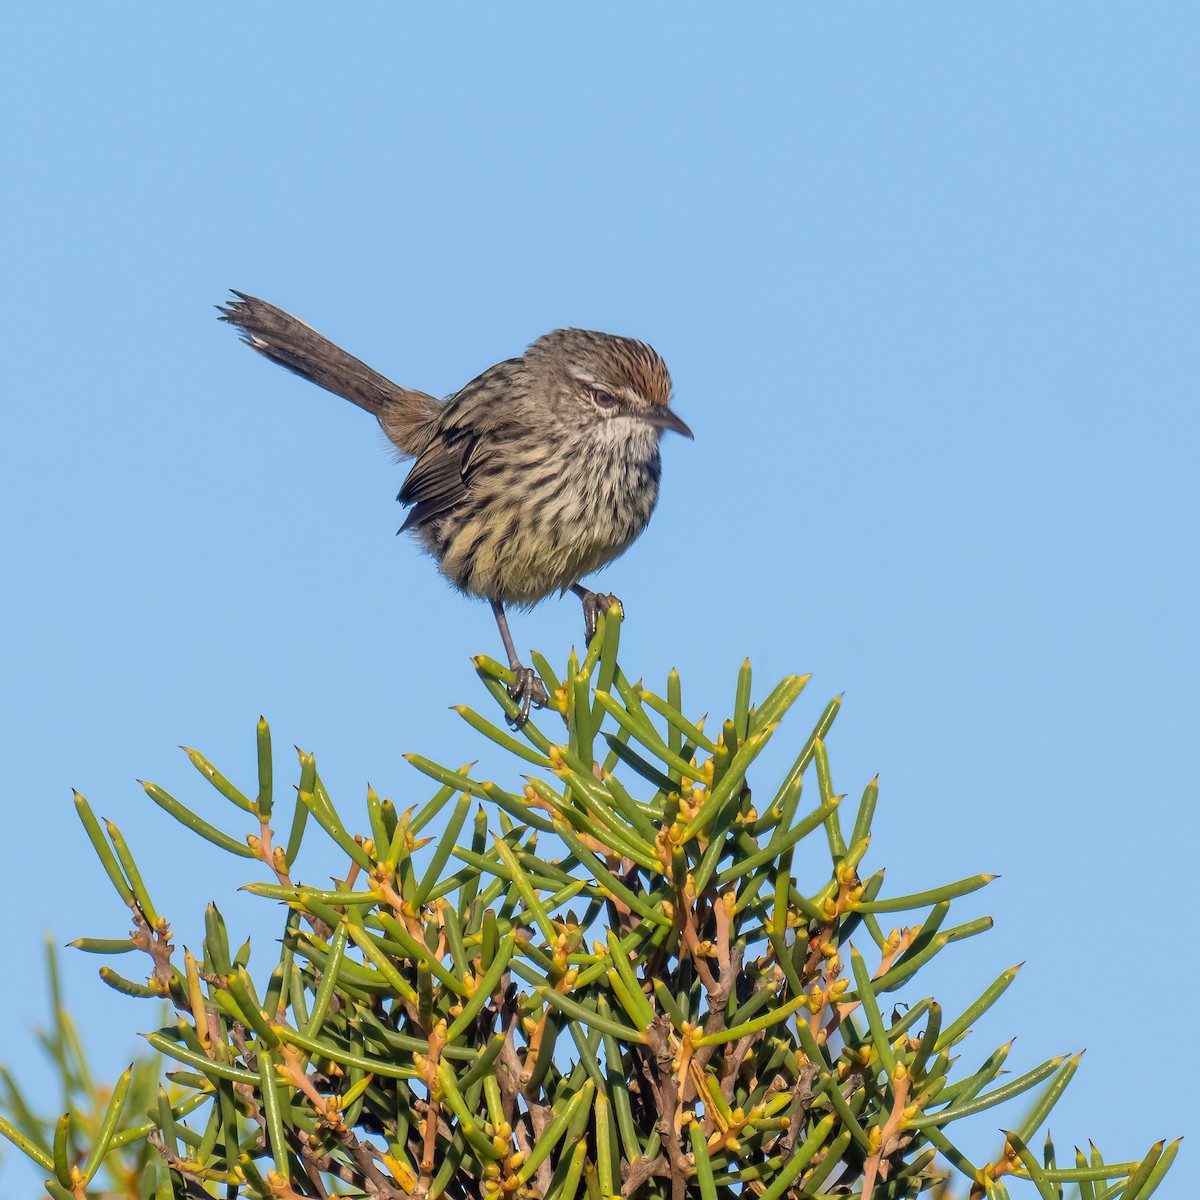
<point>438,480</point>
<point>441,476</point>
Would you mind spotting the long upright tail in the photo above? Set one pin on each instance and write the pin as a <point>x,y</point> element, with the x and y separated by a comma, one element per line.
<point>404,414</point>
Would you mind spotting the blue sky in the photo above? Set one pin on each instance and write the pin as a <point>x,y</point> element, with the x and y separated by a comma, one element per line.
<point>926,278</point>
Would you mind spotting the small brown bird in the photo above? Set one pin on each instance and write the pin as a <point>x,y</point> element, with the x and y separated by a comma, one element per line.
<point>538,472</point>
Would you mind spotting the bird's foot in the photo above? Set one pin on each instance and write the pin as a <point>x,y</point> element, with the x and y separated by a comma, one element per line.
<point>595,603</point>
<point>528,691</point>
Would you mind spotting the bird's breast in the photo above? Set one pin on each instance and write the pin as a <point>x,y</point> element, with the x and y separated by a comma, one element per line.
<point>535,522</point>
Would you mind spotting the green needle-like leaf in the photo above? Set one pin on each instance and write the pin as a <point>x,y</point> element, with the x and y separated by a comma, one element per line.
<point>108,1125</point>
<point>26,1145</point>
<point>643,1011</point>
<point>308,898</point>
<point>643,732</point>
<point>908,965</point>
<point>1046,1102</point>
<point>517,806</point>
<point>333,826</point>
<point>344,1058</point>
<point>951,1152</point>
<point>141,895</point>
<point>1152,1171</point>
<point>610,641</point>
<point>546,671</point>
<point>833,827</point>
<point>380,833</point>
<point>950,891</point>
<point>470,1125</point>
<point>129,987</point>
<point>445,847</point>
<point>135,1133</point>
<point>329,977</point>
<point>754,1026</point>
<point>721,793</point>
<point>678,724</point>
<point>458,780</point>
<point>601,822</point>
<point>433,807</point>
<point>608,880</point>
<point>647,770</point>
<point>579,714</point>
<point>704,1171</point>
<point>866,996</point>
<point>928,1040</point>
<point>822,728</point>
<point>866,811</point>
<point>504,740</point>
<point>484,1064</point>
<point>103,851</point>
<point>196,824</point>
<point>199,1062</point>
<point>533,906</point>
<point>1086,1190</point>
<point>485,988</point>
<point>510,708</point>
<point>829,1161</point>
<point>1046,1190</point>
<point>265,799</point>
<point>222,785</point>
<point>308,774</point>
<point>958,1028</point>
<point>640,816</point>
<point>103,945</point>
<point>273,1109</point>
<point>776,848</point>
<point>846,1114</point>
<point>803,1156</point>
<point>241,988</point>
<point>568,1186</point>
<point>380,961</point>
<point>554,1130</point>
<point>779,700</point>
<point>741,702</point>
<point>589,1017</point>
<point>607,1150</point>
<point>489,668</point>
<point>1006,1092</point>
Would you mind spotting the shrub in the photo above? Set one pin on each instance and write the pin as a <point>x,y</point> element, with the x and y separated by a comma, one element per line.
<point>602,980</point>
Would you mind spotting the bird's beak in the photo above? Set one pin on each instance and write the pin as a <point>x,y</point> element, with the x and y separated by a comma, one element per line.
<point>661,416</point>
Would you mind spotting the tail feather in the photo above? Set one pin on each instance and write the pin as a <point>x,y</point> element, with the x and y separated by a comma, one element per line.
<point>405,415</point>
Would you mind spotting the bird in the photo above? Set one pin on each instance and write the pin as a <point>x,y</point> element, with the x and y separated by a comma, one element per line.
<point>541,470</point>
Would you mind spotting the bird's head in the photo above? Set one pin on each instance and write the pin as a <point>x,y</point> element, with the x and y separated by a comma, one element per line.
<point>598,378</point>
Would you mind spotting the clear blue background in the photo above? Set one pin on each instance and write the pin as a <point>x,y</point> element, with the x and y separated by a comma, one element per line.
<point>926,277</point>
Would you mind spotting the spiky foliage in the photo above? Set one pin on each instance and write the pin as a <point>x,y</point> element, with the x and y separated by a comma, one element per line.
<point>111,1162</point>
<point>606,981</point>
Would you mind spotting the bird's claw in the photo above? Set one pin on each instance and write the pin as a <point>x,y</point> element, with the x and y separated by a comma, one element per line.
<point>528,691</point>
<point>595,603</point>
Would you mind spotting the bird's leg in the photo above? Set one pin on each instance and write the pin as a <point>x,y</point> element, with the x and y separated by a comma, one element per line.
<point>594,603</point>
<point>527,689</point>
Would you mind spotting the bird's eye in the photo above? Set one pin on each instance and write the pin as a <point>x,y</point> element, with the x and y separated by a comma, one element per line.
<point>604,399</point>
